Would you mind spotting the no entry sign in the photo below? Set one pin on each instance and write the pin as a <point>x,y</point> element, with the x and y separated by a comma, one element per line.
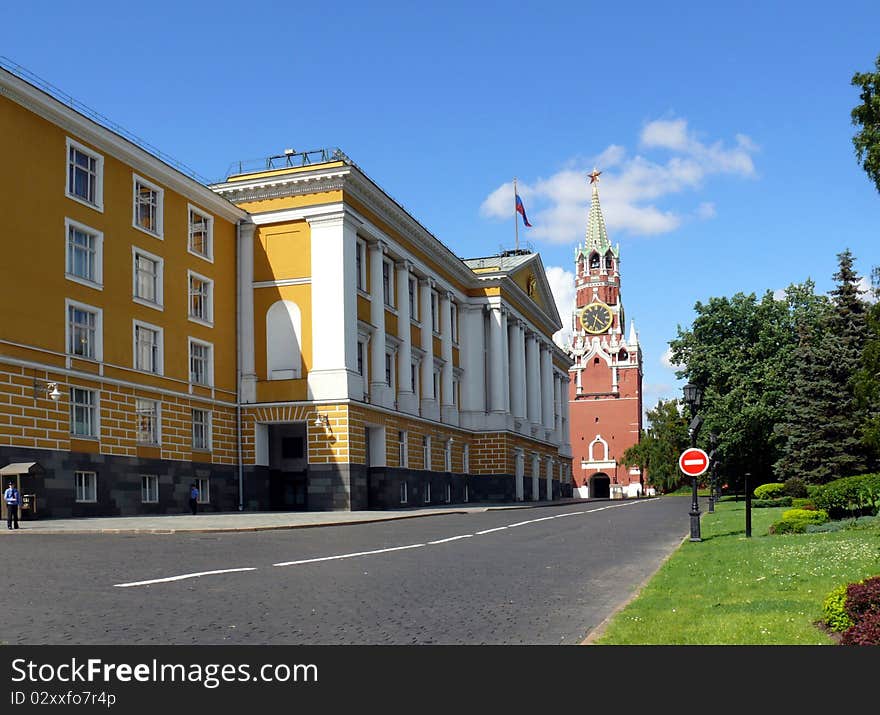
<point>693,462</point>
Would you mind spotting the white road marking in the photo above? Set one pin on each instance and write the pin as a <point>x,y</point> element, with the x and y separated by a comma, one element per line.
<point>348,556</point>
<point>489,531</point>
<point>182,577</point>
<point>451,538</point>
<point>370,553</point>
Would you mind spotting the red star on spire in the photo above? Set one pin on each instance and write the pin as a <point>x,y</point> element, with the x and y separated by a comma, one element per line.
<point>594,176</point>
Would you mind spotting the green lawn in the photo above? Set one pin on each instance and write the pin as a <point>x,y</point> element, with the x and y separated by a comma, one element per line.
<point>733,590</point>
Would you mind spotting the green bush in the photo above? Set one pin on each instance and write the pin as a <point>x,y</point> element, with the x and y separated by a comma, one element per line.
<point>803,503</point>
<point>850,495</point>
<point>796,488</point>
<point>795,521</point>
<point>764,503</point>
<point>771,490</point>
<point>834,609</point>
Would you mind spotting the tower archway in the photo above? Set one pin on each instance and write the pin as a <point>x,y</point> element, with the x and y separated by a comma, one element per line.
<point>600,486</point>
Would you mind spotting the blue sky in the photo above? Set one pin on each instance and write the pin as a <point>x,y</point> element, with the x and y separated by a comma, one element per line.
<point>723,133</point>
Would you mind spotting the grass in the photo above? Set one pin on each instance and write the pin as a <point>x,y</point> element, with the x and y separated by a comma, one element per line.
<point>733,590</point>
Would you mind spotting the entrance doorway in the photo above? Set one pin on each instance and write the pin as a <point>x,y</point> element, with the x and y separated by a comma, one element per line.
<point>600,486</point>
<point>288,467</point>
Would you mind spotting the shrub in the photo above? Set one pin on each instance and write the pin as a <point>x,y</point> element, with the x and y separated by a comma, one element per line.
<point>771,490</point>
<point>834,609</point>
<point>796,488</point>
<point>850,495</point>
<point>863,598</point>
<point>764,503</point>
<point>803,503</point>
<point>864,632</point>
<point>795,521</point>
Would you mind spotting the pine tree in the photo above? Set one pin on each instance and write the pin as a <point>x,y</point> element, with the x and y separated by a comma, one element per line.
<point>823,420</point>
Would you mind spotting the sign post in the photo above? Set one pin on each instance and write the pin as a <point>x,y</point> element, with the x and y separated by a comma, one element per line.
<point>693,462</point>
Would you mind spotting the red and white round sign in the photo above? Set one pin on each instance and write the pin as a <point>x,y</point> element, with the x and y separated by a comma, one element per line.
<point>693,462</point>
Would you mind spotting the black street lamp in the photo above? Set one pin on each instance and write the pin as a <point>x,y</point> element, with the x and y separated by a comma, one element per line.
<point>693,398</point>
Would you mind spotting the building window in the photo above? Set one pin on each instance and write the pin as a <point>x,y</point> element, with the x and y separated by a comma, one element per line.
<point>149,489</point>
<point>361,265</point>
<point>147,348</point>
<point>402,449</point>
<point>447,456</point>
<point>453,309</point>
<point>413,299</point>
<point>427,492</point>
<point>148,205</point>
<point>83,331</point>
<point>86,486</point>
<point>437,385</point>
<point>200,367</point>
<point>148,270</point>
<point>608,261</point>
<point>201,298</point>
<point>435,313</point>
<point>362,359</point>
<point>203,484</point>
<point>83,412</point>
<point>388,283</point>
<point>292,448</point>
<point>389,370</point>
<point>85,175</point>
<point>84,253</point>
<point>201,429</point>
<point>594,260</point>
<point>201,234</point>
<point>466,459</point>
<point>403,493</point>
<point>147,421</point>
<point>455,393</point>
<point>414,375</point>
<point>426,451</point>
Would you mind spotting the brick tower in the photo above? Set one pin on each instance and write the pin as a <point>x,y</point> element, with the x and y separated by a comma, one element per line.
<point>605,393</point>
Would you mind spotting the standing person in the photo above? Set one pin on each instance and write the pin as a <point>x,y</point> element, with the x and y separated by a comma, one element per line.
<point>193,497</point>
<point>13,501</point>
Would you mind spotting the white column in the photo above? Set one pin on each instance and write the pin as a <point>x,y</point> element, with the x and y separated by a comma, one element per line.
<point>505,362</point>
<point>565,441</point>
<point>518,472</point>
<point>334,374</point>
<point>533,382</point>
<point>497,388</point>
<point>557,408</point>
<point>518,356</point>
<point>379,390</point>
<point>248,386</point>
<point>546,389</point>
<point>473,386</point>
<point>406,398</point>
<point>429,403</point>
<point>448,412</point>
<point>549,468</point>
<point>536,475</point>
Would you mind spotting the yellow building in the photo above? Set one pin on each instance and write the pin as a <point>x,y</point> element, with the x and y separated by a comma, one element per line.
<point>288,338</point>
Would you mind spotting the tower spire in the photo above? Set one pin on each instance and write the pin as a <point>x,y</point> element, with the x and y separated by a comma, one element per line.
<point>597,236</point>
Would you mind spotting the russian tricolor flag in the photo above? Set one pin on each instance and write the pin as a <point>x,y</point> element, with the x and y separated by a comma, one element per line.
<point>520,209</point>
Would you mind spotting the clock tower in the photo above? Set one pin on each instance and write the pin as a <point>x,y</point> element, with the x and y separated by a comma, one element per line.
<point>605,395</point>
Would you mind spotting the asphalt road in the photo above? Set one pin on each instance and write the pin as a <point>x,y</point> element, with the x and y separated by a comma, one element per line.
<point>535,576</point>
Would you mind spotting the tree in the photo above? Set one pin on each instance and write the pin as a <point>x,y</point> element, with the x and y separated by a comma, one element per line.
<point>867,115</point>
<point>739,350</point>
<point>823,422</point>
<point>660,446</point>
<point>867,379</point>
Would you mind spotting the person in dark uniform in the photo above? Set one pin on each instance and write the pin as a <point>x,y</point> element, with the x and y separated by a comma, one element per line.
<point>13,501</point>
<point>193,497</point>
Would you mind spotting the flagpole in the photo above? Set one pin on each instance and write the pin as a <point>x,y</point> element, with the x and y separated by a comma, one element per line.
<point>515,220</point>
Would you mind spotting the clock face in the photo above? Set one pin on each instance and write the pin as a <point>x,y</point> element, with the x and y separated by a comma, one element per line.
<point>596,318</point>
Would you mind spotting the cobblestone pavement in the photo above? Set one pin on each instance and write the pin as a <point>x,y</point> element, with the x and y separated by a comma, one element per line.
<point>547,575</point>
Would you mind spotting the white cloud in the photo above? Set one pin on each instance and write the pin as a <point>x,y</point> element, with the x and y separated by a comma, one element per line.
<point>779,294</point>
<point>632,186</point>
<point>666,360</point>
<point>562,284</point>
<point>865,285</point>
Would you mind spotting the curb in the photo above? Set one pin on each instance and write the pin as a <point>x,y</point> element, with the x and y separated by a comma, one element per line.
<point>279,527</point>
<point>599,630</point>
